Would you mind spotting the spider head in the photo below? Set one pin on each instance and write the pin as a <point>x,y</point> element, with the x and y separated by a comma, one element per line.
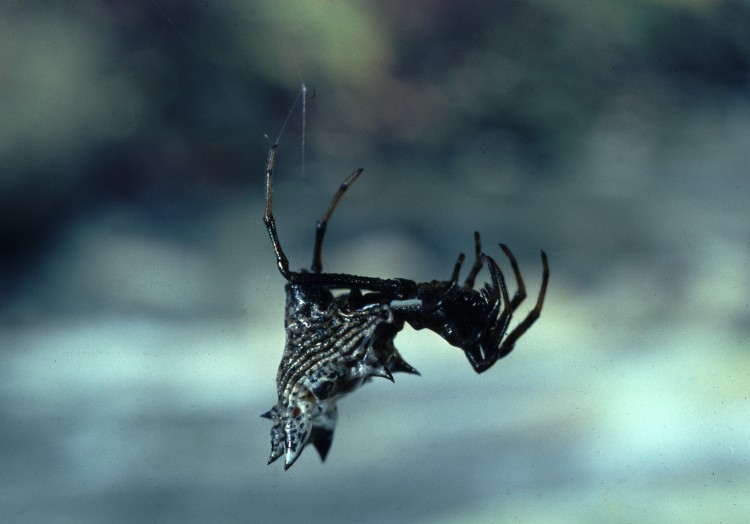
<point>460,315</point>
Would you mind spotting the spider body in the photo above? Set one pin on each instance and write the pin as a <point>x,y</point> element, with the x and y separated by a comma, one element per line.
<point>337,343</point>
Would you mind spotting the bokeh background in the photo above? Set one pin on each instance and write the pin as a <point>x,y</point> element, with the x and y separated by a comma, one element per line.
<point>141,313</point>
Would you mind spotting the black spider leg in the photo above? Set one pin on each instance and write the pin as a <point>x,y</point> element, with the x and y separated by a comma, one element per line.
<point>457,268</point>
<point>521,291</point>
<point>483,356</point>
<point>397,288</point>
<point>322,225</point>
<point>478,264</point>
<point>501,324</point>
<point>510,341</point>
<point>268,219</point>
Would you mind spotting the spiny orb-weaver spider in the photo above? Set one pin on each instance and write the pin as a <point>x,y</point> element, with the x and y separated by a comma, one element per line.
<point>336,343</point>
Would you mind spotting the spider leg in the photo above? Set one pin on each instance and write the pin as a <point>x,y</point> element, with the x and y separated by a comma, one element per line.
<point>457,268</point>
<point>469,282</point>
<point>510,341</point>
<point>500,324</point>
<point>521,292</point>
<point>268,220</point>
<point>483,355</point>
<point>320,227</point>
<point>498,281</point>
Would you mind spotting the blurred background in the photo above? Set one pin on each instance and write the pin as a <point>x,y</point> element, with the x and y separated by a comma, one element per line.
<point>141,312</point>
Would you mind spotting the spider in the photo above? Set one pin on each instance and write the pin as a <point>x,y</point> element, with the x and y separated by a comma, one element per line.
<point>336,343</point>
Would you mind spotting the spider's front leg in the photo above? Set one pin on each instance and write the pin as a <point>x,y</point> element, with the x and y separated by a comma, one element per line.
<point>474,320</point>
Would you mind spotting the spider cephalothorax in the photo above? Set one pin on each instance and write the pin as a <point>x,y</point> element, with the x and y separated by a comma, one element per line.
<point>336,343</point>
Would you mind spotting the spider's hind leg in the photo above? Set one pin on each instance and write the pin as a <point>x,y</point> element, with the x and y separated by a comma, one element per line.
<point>322,225</point>
<point>268,219</point>
<point>457,268</point>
